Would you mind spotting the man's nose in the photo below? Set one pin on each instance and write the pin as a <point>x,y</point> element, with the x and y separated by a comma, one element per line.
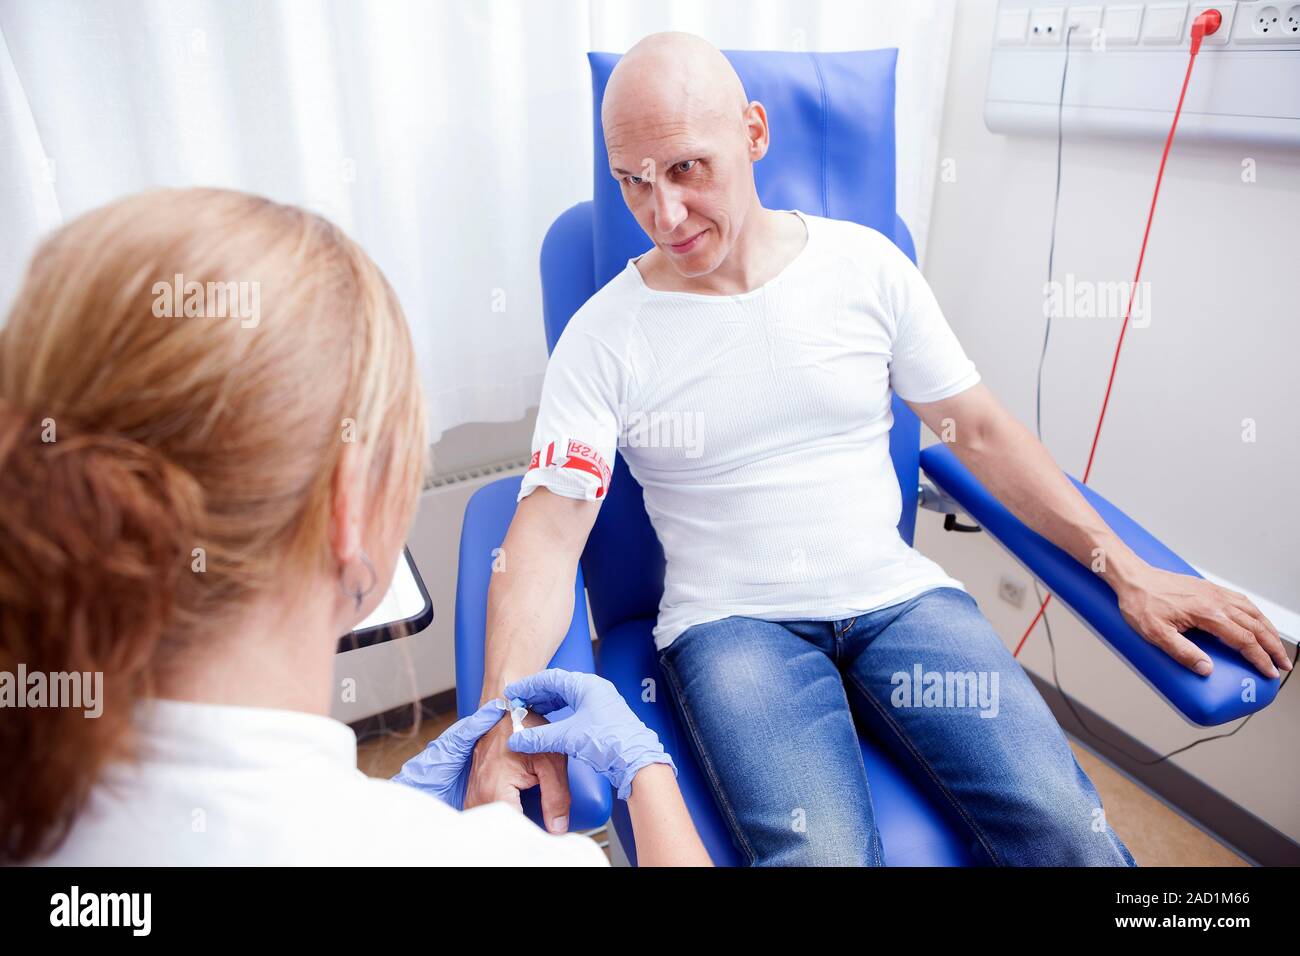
<point>670,211</point>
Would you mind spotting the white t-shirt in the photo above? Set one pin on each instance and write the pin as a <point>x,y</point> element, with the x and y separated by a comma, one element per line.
<point>219,785</point>
<point>758,427</point>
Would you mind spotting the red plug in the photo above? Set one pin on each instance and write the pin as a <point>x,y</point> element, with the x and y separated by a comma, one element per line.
<point>1205,24</point>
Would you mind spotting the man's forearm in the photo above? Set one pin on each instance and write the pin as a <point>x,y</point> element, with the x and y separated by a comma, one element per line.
<point>530,604</point>
<point>1015,466</point>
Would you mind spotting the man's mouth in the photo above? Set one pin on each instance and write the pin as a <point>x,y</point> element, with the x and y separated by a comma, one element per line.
<point>687,245</point>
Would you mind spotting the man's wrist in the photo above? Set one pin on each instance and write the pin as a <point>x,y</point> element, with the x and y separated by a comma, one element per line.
<point>496,682</point>
<point>495,686</point>
<point>1119,565</point>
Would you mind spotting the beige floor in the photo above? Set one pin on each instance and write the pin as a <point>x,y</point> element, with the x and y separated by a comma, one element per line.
<point>383,756</point>
<point>1156,835</point>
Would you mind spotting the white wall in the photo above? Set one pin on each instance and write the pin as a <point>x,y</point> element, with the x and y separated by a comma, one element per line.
<point>1222,346</point>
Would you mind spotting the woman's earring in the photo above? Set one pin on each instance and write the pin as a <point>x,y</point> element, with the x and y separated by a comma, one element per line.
<point>357,592</point>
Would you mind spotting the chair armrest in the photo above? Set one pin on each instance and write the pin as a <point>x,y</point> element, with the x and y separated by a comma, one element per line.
<point>487,518</point>
<point>1233,690</point>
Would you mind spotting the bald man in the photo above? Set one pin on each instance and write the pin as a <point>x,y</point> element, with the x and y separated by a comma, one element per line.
<point>771,342</point>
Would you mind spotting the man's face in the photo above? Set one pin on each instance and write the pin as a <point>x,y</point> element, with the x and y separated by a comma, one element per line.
<point>688,182</point>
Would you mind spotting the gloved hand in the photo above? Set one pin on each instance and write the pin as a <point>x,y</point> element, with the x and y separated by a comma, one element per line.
<point>602,732</point>
<point>442,768</point>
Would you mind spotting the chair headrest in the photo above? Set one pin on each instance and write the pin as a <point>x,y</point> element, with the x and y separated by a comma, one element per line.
<point>831,117</point>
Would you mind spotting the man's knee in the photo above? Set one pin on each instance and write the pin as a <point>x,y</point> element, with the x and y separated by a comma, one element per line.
<point>1063,824</point>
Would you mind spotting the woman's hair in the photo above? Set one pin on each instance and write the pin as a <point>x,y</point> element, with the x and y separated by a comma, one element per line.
<point>179,376</point>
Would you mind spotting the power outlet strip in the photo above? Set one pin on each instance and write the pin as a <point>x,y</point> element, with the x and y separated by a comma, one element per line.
<point>1124,73</point>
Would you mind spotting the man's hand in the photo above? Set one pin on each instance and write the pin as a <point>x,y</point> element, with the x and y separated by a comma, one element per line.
<point>498,773</point>
<point>1160,605</point>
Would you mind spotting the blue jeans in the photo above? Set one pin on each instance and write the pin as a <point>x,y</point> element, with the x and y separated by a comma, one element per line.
<point>770,708</point>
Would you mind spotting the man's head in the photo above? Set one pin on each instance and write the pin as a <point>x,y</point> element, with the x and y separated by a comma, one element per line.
<point>682,139</point>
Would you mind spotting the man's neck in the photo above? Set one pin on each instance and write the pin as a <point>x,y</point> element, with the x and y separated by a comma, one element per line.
<point>770,241</point>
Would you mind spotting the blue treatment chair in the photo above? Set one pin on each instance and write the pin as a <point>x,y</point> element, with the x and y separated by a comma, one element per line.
<point>832,154</point>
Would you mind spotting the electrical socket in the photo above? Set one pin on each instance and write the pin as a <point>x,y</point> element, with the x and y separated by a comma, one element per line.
<point>1046,26</point>
<point>1086,21</point>
<point>1011,591</point>
<point>1268,22</point>
<point>1220,36</point>
<point>1291,25</point>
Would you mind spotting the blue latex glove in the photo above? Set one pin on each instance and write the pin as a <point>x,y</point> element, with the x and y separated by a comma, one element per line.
<point>602,732</point>
<point>442,768</point>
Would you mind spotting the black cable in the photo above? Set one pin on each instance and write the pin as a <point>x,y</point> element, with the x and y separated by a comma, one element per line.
<point>1051,247</point>
<point>1038,427</point>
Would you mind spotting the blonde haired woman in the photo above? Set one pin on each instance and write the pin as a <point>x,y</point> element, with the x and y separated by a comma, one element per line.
<point>196,505</point>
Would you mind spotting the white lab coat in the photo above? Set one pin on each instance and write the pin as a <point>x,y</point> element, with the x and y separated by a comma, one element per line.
<point>220,785</point>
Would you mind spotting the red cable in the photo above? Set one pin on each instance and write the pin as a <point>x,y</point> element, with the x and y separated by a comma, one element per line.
<point>1207,23</point>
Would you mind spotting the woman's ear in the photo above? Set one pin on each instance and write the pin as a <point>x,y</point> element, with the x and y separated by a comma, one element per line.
<point>348,507</point>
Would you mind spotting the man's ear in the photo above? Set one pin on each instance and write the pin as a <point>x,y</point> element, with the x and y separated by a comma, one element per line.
<point>348,505</point>
<point>756,131</point>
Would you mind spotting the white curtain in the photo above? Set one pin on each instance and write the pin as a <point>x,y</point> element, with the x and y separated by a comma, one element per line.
<point>444,136</point>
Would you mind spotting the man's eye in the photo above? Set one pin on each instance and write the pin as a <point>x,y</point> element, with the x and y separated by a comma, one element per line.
<point>686,165</point>
<point>633,180</point>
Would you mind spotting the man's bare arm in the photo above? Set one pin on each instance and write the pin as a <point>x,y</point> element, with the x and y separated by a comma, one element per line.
<point>530,599</point>
<point>530,605</point>
<point>1021,473</point>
